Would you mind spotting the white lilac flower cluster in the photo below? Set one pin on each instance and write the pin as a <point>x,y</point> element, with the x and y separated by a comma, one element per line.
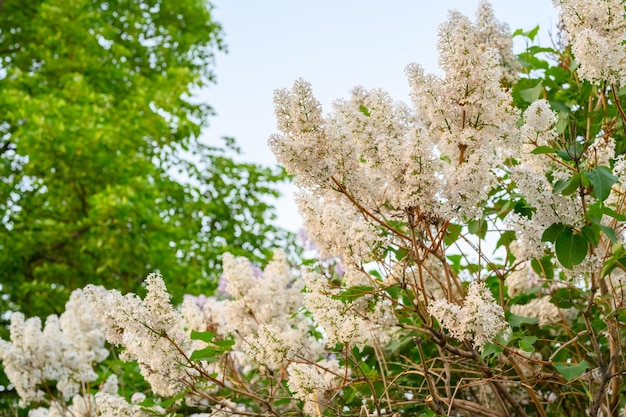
<point>270,332</point>
<point>151,331</point>
<point>64,351</point>
<point>480,319</point>
<point>84,405</point>
<point>469,116</point>
<point>364,320</point>
<point>522,280</point>
<point>340,323</point>
<point>372,157</point>
<point>324,218</point>
<point>601,152</point>
<point>113,405</point>
<point>495,35</point>
<point>313,383</point>
<point>544,311</point>
<point>539,129</point>
<point>596,30</point>
<point>249,290</point>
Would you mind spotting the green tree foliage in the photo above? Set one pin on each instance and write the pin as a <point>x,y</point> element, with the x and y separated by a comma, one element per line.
<point>103,176</point>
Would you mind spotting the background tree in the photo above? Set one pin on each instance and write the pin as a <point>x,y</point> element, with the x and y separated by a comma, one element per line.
<point>103,176</point>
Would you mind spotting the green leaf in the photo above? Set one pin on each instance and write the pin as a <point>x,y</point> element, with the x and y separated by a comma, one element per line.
<point>543,150</point>
<point>574,151</point>
<point>526,343</point>
<point>375,273</point>
<point>615,261</point>
<point>453,231</point>
<point>560,75</point>
<point>560,107</point>
<point>477,227</point>
<point>561,124</point>
<point>565,297</point>
<point>567,187</point>
<point>506,238</point>
<point>517,321</point>
<point>215,348</point>
<point>531,94</point>
<point>397,345</point>
<point>602,180</point>
<point>532,33</point>
<point>595,213</point>
<point>148,402</point>
<point>353,293</point>
<point>455,262</point>
<point>400,253</point>
<point>490,349</point>
<point>551,233</point>
<point>225,345</point>
<point>522,208</point>
<point>364,110</point>
<point>527,34</point>
<point>171,401</point>
<point>204,336</point>
<point>208,354</point>
<point>571,371</point>
<point>571,249</point>
<point>612,213</point>
<point>590,235</point>
<point>610,232</point>
<point>543,267</point>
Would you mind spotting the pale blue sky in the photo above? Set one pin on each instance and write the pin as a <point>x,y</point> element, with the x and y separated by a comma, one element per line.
<point>335,45</point>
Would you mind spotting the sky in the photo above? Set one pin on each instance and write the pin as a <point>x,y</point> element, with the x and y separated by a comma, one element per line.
<point>335,45</point>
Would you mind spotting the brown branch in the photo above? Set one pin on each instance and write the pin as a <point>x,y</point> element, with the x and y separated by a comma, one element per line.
<point>531,392</point>
<point>200,369</point>
<point>365,211</point>
<point>470,407</point>
<point>619,105</point>
<point>500,389</point>
<point>431,384</point>
<point>606,377</point>
<point>441,340</point>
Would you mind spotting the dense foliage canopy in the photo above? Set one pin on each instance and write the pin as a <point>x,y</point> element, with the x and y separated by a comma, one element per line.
<point>103,176</point>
